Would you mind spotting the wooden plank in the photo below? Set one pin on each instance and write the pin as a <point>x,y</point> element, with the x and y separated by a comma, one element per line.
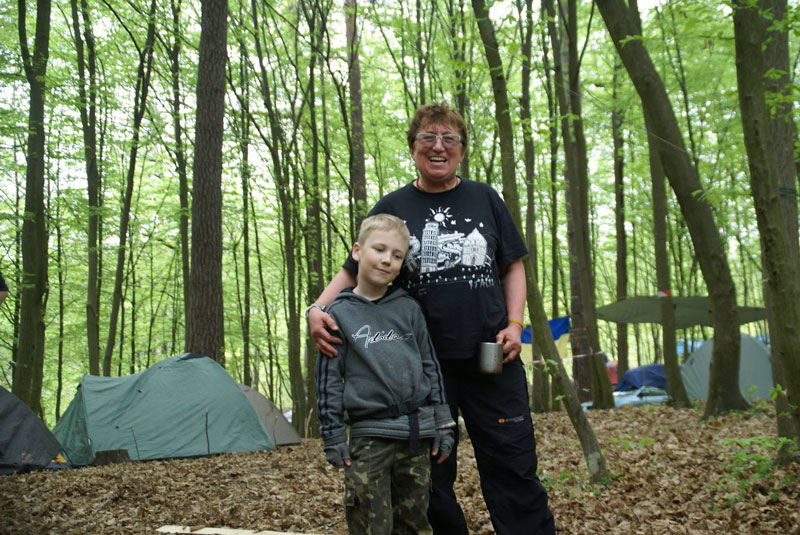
<point>176,530</point>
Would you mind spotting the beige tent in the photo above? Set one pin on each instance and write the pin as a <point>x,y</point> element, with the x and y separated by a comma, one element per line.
<point>274,421</point>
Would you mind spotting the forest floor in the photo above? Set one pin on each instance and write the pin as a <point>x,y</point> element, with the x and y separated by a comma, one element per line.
<point>670,473</point>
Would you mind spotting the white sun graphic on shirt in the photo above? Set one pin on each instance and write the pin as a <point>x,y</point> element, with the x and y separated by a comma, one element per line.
<point>442,216</point>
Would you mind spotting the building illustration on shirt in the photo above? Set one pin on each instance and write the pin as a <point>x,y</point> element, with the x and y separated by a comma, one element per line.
<point>474,249</point>
<point>444,255</point>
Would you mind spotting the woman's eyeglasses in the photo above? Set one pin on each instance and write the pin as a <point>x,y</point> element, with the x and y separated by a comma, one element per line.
<point>427,139</point>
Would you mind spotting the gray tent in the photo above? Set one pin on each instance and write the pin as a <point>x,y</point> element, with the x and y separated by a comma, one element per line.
<point>755,371</point>
<point>25,442</point>
<point>273,419</point>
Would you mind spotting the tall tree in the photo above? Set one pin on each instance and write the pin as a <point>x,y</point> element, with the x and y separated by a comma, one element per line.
<point>617,120</point>
<point>316,18</point>
<point>60,269</point>
<point>723,394</point>
<point>777,86</point>
<point>245,171</point>
<point>27,384</point>
<point>276,145</point>
<point>593,455</point>
<point>525,29</point>
<point>675,386</point>
<point>663,280</point>
<point>88,111</point>
<point>552,130</point>
<point>358,179</point>
<point>179,153</point>
<point>144,71</point>
<point>204,322</point>
<point>585,338</point>
<point>777,240</point>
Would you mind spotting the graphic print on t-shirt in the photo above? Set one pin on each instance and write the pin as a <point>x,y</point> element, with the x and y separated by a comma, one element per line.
<point>450,250</point>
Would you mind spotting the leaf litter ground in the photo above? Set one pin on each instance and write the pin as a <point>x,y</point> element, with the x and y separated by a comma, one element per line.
<point>670,473</point>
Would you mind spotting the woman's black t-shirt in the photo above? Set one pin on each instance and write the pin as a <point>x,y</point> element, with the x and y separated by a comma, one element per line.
<point>459,239</point>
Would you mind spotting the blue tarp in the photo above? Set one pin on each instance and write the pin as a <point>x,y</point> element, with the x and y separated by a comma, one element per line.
<point>558,328</point>
<point>649,375</point>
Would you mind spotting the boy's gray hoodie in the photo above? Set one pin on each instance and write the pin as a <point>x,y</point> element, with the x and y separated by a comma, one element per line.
<point>386,361</point>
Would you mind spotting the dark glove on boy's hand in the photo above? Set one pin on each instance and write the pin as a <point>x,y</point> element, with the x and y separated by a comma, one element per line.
<point>444,440</point>
<point>337,454</point>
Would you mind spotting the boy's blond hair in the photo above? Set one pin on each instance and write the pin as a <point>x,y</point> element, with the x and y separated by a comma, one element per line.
<point>385,223</point>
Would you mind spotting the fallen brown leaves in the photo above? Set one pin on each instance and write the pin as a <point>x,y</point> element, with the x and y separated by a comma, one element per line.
<point>671,473</point>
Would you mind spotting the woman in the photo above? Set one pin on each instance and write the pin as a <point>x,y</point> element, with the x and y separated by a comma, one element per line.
<point>464,266</point>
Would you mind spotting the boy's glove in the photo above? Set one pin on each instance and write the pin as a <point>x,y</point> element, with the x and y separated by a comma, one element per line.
<point>338,454</point>
<point>444,440</point>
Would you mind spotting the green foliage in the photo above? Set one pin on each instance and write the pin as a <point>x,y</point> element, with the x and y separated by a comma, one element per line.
<point>751,461</point>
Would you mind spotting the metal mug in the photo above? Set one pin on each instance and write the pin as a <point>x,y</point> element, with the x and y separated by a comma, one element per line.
<point>491,358</point>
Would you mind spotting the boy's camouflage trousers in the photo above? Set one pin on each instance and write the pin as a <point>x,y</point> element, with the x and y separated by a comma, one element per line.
<point>386,488</point>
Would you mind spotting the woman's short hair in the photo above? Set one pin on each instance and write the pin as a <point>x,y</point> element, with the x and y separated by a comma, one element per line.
<point>384,223</point>
<point>437,113</point>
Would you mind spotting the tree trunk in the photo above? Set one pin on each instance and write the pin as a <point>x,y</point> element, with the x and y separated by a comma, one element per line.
<point>205,333</point>
<point>458,26</point>
<point>140,105</point>
<point>552,110</point>
<point>180,155</point>
<point>132,279</point>
<point>579,340</point>
<point>663,280</point>
<point>617,118</point>
<point>579,181</point>
<point>723,393</point>
<point>60,269</point>
<point>540,392</point>
<point>784,132</point>
<point>88,112</point>
<point>244,171</point>
<point>591,448</point>
<point>554,192</point>
<point>313,191</point>
<point>286,202</point>
<point>27,384</point>
<point>585,338</point>
<point>358,180</point>
<point>15,315</point>
<point>777,241</point>
<point>419,53</point>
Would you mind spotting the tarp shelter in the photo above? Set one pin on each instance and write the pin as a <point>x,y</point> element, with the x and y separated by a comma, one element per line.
<point>755,370</point>
<point>689,311</point>
<point>647,375</point>
<point>25,442</point>
<point>183,406</point>
<point>272,418</point>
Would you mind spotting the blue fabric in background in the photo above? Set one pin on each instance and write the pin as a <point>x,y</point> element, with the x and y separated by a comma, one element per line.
<point>647,375</point>
<point>558,327</point>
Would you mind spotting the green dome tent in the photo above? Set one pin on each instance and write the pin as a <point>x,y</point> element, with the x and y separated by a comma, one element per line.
<point>755,370</point>
<point>183,406</point>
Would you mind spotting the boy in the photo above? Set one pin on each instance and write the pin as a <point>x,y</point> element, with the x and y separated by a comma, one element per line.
<point>386,384</point>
